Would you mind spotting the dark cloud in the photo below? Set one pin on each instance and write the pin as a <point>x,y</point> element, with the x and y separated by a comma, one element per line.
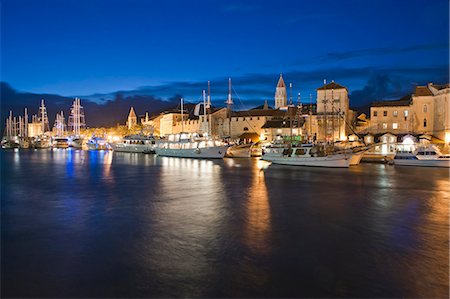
<point>337,56</point>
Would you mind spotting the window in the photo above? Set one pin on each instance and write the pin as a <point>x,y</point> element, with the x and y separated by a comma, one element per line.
<point>395,113</point>
<point>405,113</point>
<point>424,122</point>
<point>237,118</point>
<point>257,118</point>
<point>245,129</point>
<point>384,113</point>
<point>425,108</point>
<point>384,125</point>
<point>243,118</point>
<point>375,113</point>
<point>394,126</point>
<point>251,118</point>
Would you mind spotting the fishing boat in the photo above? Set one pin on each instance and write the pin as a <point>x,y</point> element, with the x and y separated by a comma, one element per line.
<point>188,145</point>
<point>136,144</point>
<point>426,156</point>
<point>305,155</point>
<point>98,143</point>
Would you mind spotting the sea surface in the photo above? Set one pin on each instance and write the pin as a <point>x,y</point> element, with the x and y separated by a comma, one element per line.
<point>102,224</point>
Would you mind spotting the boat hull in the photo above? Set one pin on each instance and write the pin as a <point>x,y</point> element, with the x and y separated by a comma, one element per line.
<point>239,151</point>
<point>339,161</point>
<point>355,158</point>
<point>135,148</point>
<point>216,152</point>
<point>422,163</point>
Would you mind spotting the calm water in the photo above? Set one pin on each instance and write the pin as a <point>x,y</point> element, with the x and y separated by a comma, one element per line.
<point>96,224</point>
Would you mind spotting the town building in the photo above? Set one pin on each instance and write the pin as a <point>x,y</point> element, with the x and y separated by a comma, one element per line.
<point>280,94</point>
<point>426,111</point>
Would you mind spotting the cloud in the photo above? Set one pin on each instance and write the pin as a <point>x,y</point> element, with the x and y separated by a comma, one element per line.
<point>333,56</point>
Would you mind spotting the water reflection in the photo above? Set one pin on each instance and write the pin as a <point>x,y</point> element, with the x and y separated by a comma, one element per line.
<point>257,229</point>
<point>184,225</point>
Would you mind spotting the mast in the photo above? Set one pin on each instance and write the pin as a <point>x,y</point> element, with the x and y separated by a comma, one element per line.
<point>182,117</point>
<point>332,112</point>
<point>290,109</point>
<point>25,123</point>
<point>204,111</point>
<point>310,116</point>
<point>229,103</point>
<point>300,114</point>
<point>76,117</point>
<point>325,110</point>
<point>209,109</point>
<point>43,117</point>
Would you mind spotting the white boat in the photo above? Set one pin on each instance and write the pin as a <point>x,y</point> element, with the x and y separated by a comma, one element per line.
<point>136,144</point>
<point>186,145</point>
<point>98,143</point>
<point>61,142</point>
<point>9,144</point>
<point>239,151</point>
<point>305,155</point>
<point>428,156</point>
<point>76,142</point>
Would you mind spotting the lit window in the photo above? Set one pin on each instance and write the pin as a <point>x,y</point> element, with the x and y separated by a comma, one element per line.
<point>384,125</point>
<point>395,112</point>
<point>424,122</point>
<point>406,113</point>
<point>425,108</point>
<point>375,113</point>
<point>384,113</point>
<point>394,126</point>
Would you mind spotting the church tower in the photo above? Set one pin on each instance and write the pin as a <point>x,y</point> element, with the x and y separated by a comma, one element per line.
<point>132,119</point>
<point>280,94</point>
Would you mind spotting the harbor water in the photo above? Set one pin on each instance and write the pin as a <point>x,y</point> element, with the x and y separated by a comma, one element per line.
<point>102,224</point>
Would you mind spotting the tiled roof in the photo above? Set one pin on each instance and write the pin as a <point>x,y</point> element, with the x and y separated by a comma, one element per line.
<point>405,101</point>
<point>332,85</point>
<point>422,91</point>
<point>441,86</point>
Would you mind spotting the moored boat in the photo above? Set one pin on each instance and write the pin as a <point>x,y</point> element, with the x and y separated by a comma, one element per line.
<point>61,142</point>
<point>429,156</point>
<point>187,145</point>
<point>136,144</point>
<point>305,155</point>
<point>98,143</point>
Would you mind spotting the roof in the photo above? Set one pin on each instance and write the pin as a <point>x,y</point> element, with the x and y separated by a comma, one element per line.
<point>440,86</point>
<point>132,113</point>
<point>279,123</point>
<point>332,85</point>
<point>422,91</point>
<point>281,82</point>
<point>258,112</point>
<point>405,101</point>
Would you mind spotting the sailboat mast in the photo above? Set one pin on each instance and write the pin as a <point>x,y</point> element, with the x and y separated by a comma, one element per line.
<point>204,111</point>
<point>209,109</point>
<point>229,103</point>
<point>26,123</point>
<point>325,111</point>
<point>182,117</point>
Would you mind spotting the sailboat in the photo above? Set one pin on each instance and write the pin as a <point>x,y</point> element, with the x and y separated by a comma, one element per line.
<point>192,145</point>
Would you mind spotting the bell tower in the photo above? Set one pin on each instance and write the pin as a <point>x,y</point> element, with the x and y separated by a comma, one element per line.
<point>280,94</point>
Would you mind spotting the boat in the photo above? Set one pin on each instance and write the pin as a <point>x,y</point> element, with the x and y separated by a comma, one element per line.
<point>98,143</point>
<point>76,142</point>
<point>41,142</point>
<point>187,145</point>
<point>61,142</point>
<point>136,144</point>
<point>239,151</point>
<point>426,156</point>
<point>24,143</point>
<point>305,155</point>
<point>9,144</point>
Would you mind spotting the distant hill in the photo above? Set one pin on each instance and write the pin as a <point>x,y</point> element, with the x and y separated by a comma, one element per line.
<point>108,113</point>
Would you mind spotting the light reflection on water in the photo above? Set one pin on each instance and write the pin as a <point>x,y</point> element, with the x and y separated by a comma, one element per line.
<point>105,224</point>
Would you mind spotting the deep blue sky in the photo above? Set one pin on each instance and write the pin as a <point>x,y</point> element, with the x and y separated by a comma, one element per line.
<point>378,49</point>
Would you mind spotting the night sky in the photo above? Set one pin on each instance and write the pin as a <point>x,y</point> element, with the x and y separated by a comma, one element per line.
<point>92,49</point>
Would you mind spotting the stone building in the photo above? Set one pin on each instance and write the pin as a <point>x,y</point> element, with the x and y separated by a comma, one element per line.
<point>426,111</point>
<point>333,112</point>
